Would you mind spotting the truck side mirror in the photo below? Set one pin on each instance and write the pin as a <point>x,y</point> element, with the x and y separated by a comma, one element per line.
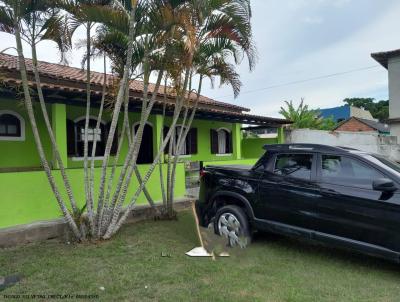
<point>384,185</point>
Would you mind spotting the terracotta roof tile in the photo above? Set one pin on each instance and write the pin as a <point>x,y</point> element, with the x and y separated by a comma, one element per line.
<point>71,79</point>
<point>62,72</point>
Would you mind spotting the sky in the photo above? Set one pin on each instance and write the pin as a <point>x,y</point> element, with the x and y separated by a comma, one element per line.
<point>318,50</point>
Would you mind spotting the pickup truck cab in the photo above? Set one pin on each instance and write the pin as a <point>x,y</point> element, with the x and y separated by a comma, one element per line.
<point>334,195</point>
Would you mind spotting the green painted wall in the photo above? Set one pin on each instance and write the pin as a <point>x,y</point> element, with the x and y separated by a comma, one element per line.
<point>26,196</point>
<point>59,113</point>
<point>15,154</point>
<point>253,147</point>
<point>204,142</point>
<point>23,153</point>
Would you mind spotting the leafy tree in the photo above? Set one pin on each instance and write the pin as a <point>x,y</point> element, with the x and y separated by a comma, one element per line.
<point>303,117</point>
<point>328,123</point>
<point>379,110</point>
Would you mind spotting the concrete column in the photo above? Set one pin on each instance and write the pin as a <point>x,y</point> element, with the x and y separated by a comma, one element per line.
<point>157,132</point>
<point>59,124</point>
<point>237,141</point>
<point>281,135</point>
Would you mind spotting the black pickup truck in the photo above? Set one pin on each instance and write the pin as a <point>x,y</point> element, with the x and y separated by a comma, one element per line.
<point>334,195</point>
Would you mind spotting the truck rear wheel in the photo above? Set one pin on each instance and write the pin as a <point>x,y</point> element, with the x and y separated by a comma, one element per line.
<point>232,223</point>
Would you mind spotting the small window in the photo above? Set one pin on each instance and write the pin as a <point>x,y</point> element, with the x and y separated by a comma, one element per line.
<point>294,165</point>
<point>189,146</point>
<point>11,126</point>
<point>347,171</point>
<point>221,141</point>
<point>76,138</point>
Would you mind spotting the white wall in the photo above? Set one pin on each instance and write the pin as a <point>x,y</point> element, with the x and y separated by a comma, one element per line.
<point>394,87</point>
<point>366,141</point>
<point>394,94</point>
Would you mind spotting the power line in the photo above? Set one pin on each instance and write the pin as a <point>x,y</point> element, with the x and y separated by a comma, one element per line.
<point>305,80</point>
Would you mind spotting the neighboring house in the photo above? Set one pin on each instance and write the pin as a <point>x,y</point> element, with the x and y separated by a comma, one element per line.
<point>391,61</point>
<point>262,131</point>
<point>215,136</point>
<point>344,112</point>
<point>355,124</point>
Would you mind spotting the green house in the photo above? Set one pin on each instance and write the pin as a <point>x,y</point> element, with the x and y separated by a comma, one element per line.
<point>25,196</point>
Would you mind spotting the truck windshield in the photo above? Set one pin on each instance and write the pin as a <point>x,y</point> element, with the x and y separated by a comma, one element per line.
<point>384,162</point>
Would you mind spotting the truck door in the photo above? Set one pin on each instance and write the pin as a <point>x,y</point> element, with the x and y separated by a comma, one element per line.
<point>287,190</point>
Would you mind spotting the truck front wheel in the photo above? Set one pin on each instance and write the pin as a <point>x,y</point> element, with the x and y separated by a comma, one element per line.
<point>232,223</point>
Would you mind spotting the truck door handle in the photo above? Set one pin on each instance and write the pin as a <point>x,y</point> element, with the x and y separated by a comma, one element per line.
<point>329,192</point>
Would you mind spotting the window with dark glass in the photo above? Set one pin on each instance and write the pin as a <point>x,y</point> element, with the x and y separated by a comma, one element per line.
<point>76,138</point>
<point>294,165</point>
<point>346,171</point>
<point>10,125</point>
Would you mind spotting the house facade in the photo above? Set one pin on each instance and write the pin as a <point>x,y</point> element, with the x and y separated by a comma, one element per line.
<point>355,124</point>
<point>391,61</point>
<point>215,136</point>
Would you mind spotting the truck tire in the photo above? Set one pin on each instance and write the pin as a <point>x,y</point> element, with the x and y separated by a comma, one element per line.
<point>232,222</point>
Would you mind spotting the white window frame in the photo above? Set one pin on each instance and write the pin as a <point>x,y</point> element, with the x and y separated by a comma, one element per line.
<point>20,138</point>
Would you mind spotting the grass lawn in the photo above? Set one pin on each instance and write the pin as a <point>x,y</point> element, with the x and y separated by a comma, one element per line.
<point>130,268</point>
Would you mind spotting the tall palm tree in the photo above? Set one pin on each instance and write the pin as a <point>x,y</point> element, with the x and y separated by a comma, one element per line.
<point>176,40</point>
<point>219,37</point>
<point>13,15</point>
<point>196,23</point>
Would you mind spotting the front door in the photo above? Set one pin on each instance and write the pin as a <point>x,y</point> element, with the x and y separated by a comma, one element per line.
<point>145,155</point>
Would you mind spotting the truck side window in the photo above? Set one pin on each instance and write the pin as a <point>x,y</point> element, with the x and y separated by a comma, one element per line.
<point>294,165</point>
<point>346,171</point>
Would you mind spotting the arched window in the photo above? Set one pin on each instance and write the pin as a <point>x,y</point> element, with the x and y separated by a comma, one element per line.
<point>12,126</point>
<point>145,155</point>
<point>76,137</point>
<point>221,141</point>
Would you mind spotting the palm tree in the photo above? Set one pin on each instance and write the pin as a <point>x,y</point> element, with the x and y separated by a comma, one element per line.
<point>183,61</point>
<point>218,38</point>
<point>302,116</point>
<point>13,15</point>
<point>176,40</point>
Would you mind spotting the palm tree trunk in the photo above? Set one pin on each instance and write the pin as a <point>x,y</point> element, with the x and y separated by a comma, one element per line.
<point>137,172</point>
<point>50,130</point>
<point>97,129</point>
<point>115,225</point>
<point>117,108</point>
<point>88,195</point>
<point>130,160</point>
<point>39,146</point>
<point>162,182</point>
<point>115,222</point>
<point>182,141</point>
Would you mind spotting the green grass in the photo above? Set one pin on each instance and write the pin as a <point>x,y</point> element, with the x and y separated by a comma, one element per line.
<point>131,268</point>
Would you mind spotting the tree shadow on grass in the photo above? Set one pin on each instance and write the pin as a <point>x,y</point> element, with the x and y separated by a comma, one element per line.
<point>314,249</point>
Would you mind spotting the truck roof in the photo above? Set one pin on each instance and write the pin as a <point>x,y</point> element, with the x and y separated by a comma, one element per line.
<point>309,147</point>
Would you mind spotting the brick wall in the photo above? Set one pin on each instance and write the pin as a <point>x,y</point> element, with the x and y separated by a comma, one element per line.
<point>354,125</point>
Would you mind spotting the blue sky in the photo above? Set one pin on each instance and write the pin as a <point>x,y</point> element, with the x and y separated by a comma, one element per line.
<point>302,39</point>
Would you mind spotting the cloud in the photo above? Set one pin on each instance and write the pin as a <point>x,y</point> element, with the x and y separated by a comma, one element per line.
<point>297,40</point>
<point>313,20</point>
